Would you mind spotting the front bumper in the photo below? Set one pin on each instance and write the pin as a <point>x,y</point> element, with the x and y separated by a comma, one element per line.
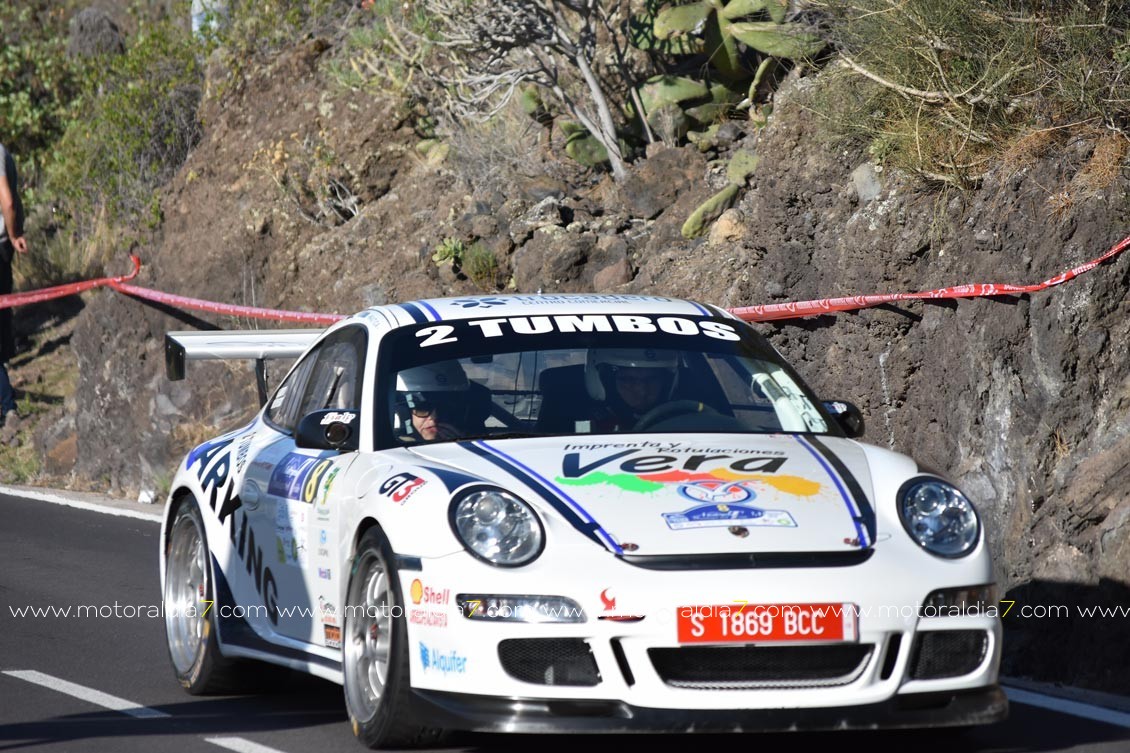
<point>543,715</point>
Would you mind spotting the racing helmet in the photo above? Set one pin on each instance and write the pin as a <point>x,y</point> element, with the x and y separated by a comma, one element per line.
<point>602,364</point>
<point>439,386</point>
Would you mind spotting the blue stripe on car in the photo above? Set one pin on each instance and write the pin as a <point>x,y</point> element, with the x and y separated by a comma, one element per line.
<point>862,503</point>
<point>577,516</point>
<point>852,508</point>
<point>414,312</point>
<point>431,310</point>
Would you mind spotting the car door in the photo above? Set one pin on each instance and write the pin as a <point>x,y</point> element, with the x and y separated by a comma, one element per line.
<point>294,515</point>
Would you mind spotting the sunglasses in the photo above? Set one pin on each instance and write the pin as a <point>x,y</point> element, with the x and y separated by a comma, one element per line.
<point>423,412</point>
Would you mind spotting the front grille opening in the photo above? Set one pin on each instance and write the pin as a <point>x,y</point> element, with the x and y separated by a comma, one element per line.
<point>749,667</point>
<point>549,661</point>
<point>947,653</point>
<point>891,657</point>
<point>622,662</point>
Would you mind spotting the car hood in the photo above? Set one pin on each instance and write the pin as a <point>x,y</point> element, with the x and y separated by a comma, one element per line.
<point>687,494</point>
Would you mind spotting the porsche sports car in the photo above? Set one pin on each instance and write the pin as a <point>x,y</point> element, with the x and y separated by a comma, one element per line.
<point>601,513</point>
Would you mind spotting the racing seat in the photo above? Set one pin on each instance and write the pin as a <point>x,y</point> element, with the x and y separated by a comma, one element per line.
<point>564,399</point>
<point>479,404</point>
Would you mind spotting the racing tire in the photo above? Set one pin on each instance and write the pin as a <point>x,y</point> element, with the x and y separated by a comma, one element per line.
<point>375,651</point>
<point>190,627</point>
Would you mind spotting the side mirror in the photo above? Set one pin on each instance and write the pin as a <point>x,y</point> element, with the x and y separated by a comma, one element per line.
<point>329,430</point>
<point>847,416</point>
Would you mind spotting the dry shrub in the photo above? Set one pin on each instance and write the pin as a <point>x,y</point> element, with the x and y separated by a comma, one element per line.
<point>509,148</point>
<point>1029,149</point>
<point>947,87</point>
<point>1103,168</point>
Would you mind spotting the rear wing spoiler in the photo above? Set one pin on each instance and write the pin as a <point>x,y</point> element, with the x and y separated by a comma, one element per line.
<point>255,344</point>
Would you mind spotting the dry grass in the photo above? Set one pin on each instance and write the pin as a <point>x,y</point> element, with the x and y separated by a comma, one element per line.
<point>1104,167</point>
<point>1029,149</point>
<point>948,89</point>
<point>509,148</point>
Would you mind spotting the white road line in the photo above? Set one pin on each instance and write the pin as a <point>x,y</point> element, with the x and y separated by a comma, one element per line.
<point>97,697</point>
<point>58,499</point>
<point>1074,708</point>
<point>239,745</point>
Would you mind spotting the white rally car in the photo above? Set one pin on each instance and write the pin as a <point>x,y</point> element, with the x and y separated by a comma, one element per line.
<point>602,513</point>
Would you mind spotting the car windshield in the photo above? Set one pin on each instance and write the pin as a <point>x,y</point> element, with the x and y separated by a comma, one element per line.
<point>588,374</point>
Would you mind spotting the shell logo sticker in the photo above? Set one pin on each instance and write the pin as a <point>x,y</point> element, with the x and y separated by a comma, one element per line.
<point>417,591</point>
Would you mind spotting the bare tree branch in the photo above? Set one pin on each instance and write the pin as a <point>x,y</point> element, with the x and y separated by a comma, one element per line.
<point>495,46</point>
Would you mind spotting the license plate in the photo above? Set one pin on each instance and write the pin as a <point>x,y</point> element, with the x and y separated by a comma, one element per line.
<point>767,623</point>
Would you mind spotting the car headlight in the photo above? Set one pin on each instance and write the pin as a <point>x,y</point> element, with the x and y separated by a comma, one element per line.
<point>497,527</point>
<point>938,517</point>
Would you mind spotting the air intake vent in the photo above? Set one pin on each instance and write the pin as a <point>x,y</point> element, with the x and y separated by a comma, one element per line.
<point>549,661</point>
<point>749,667</point>
<point>947,653</point>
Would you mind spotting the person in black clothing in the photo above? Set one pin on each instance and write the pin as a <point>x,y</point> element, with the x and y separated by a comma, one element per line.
<point>627,383</point>
<point>12,241</point>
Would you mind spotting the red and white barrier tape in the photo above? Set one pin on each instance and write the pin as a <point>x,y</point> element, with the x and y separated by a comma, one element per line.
<point>226,309</point>
<point>766,313</point>
<point>122,285</point>
<point>70,288</point>
<point>777,311</point>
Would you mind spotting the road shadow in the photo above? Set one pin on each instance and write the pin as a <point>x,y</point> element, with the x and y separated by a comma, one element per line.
<point>1070,633</point>
<point>296,702</point>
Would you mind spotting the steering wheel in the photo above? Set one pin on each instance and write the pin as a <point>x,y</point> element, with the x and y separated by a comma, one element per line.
<point>664,411</point>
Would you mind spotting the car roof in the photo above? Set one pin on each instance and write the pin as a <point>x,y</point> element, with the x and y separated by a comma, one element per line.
<point>539,304</point>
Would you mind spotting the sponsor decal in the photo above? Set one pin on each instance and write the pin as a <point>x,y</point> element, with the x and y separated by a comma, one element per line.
<point>484,303</point>
<point>327,610</point>
<point>297,477</point>
<point>430,602</point>
<point>444,334</point>
<point>541,299</point>
<point>694,472</point>
<point>323,536</point>
<point>333,636</point>
<point>324,573</point>
<point>609,603</point>
<point>241,452</point>
<point>322,509</point>
<point>427,595</point>
<point>400,487</point>
<point>216,482</point>
<point>717,492</point>
<point>343,417</point>
<point>711,516</point>
<point>290,534</point>
<point>427,618</point>
<point>445,662</point>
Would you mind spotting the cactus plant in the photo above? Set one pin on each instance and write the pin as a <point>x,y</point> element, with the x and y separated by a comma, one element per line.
<point>741,166</point>
<point>724,27</point>
<point>582,146</point>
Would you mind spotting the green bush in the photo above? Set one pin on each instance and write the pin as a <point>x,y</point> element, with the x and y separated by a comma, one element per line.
<point>39,85</point>
<point>256,30</point>
<point>134,132</point>
<point>384,49</point>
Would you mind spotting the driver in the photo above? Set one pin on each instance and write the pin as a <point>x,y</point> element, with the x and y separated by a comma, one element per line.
<point>431,402</point>
<point>627,383</point>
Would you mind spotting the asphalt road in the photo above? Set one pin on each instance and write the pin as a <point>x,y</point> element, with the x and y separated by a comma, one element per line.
<point>52,555</point>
